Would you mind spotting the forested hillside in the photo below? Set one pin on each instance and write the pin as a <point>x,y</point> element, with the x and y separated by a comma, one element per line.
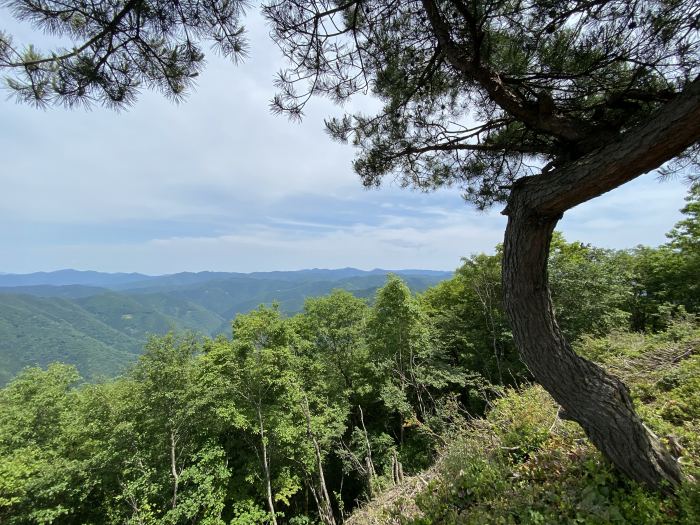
<point>38,331</point>
<point>100,322</point>
<point>415,408</point>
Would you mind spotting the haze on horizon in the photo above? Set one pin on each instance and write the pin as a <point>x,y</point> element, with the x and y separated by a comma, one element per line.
<point>218,183</point>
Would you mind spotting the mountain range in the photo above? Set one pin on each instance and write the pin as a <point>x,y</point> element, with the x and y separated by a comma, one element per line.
<point>100,321</point>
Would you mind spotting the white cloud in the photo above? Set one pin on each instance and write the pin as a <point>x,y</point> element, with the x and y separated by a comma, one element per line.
<point>415,244</point>
<point>640,212</point>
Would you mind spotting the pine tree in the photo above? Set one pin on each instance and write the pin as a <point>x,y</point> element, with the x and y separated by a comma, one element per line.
<point>538,105</point>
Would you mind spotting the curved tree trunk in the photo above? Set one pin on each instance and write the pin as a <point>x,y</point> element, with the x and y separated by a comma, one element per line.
<point>596,400</point>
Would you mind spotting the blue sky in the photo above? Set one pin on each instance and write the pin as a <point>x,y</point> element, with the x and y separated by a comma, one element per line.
<point>218,183</point>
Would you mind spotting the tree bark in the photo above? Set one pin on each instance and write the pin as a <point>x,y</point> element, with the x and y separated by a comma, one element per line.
<point>596,400</point>
<point>173,466</point>
<point>266,470</point>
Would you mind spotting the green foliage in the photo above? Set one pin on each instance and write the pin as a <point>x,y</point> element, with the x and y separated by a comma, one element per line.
<point>662,370</point>
<point>544,80</point>
<point>197,429</point>
<point>335,325</point>
<point>685,235</point>
<point>206,482</point>
<point>665,281</point>
<point>471,326</point>
<point>399,344</point>
<point>246,512</point>
<point>44,475</point>
<point>112,50</point>
<point>590,288</point>
<point>519,420</point>
<point>38,331</point>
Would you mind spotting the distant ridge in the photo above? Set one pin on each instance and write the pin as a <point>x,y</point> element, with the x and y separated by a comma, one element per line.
<point>100,321</point>
<point>68,277</point>
<point>126,281</point>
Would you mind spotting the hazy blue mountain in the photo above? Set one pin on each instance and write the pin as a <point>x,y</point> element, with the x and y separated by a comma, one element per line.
<point>176,280</point>
<point>134,281</point>
<point>68,277</point>
<point>100,321</point>
<point>70,291</point>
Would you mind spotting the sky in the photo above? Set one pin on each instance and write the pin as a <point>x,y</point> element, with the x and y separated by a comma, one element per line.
<point>219,183</point>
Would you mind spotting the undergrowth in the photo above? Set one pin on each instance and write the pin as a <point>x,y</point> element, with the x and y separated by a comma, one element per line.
<point>523,465</point>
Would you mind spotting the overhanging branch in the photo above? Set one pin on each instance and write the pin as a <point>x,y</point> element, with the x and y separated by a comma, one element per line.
<point>667,133</point>
<point>550,122</point>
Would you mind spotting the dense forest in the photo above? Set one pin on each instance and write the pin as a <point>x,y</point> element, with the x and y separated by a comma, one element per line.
<point>302,419</point>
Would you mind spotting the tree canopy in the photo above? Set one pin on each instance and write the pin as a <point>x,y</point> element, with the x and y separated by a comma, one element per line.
<point>116,48</point>
<point>478,94</point>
